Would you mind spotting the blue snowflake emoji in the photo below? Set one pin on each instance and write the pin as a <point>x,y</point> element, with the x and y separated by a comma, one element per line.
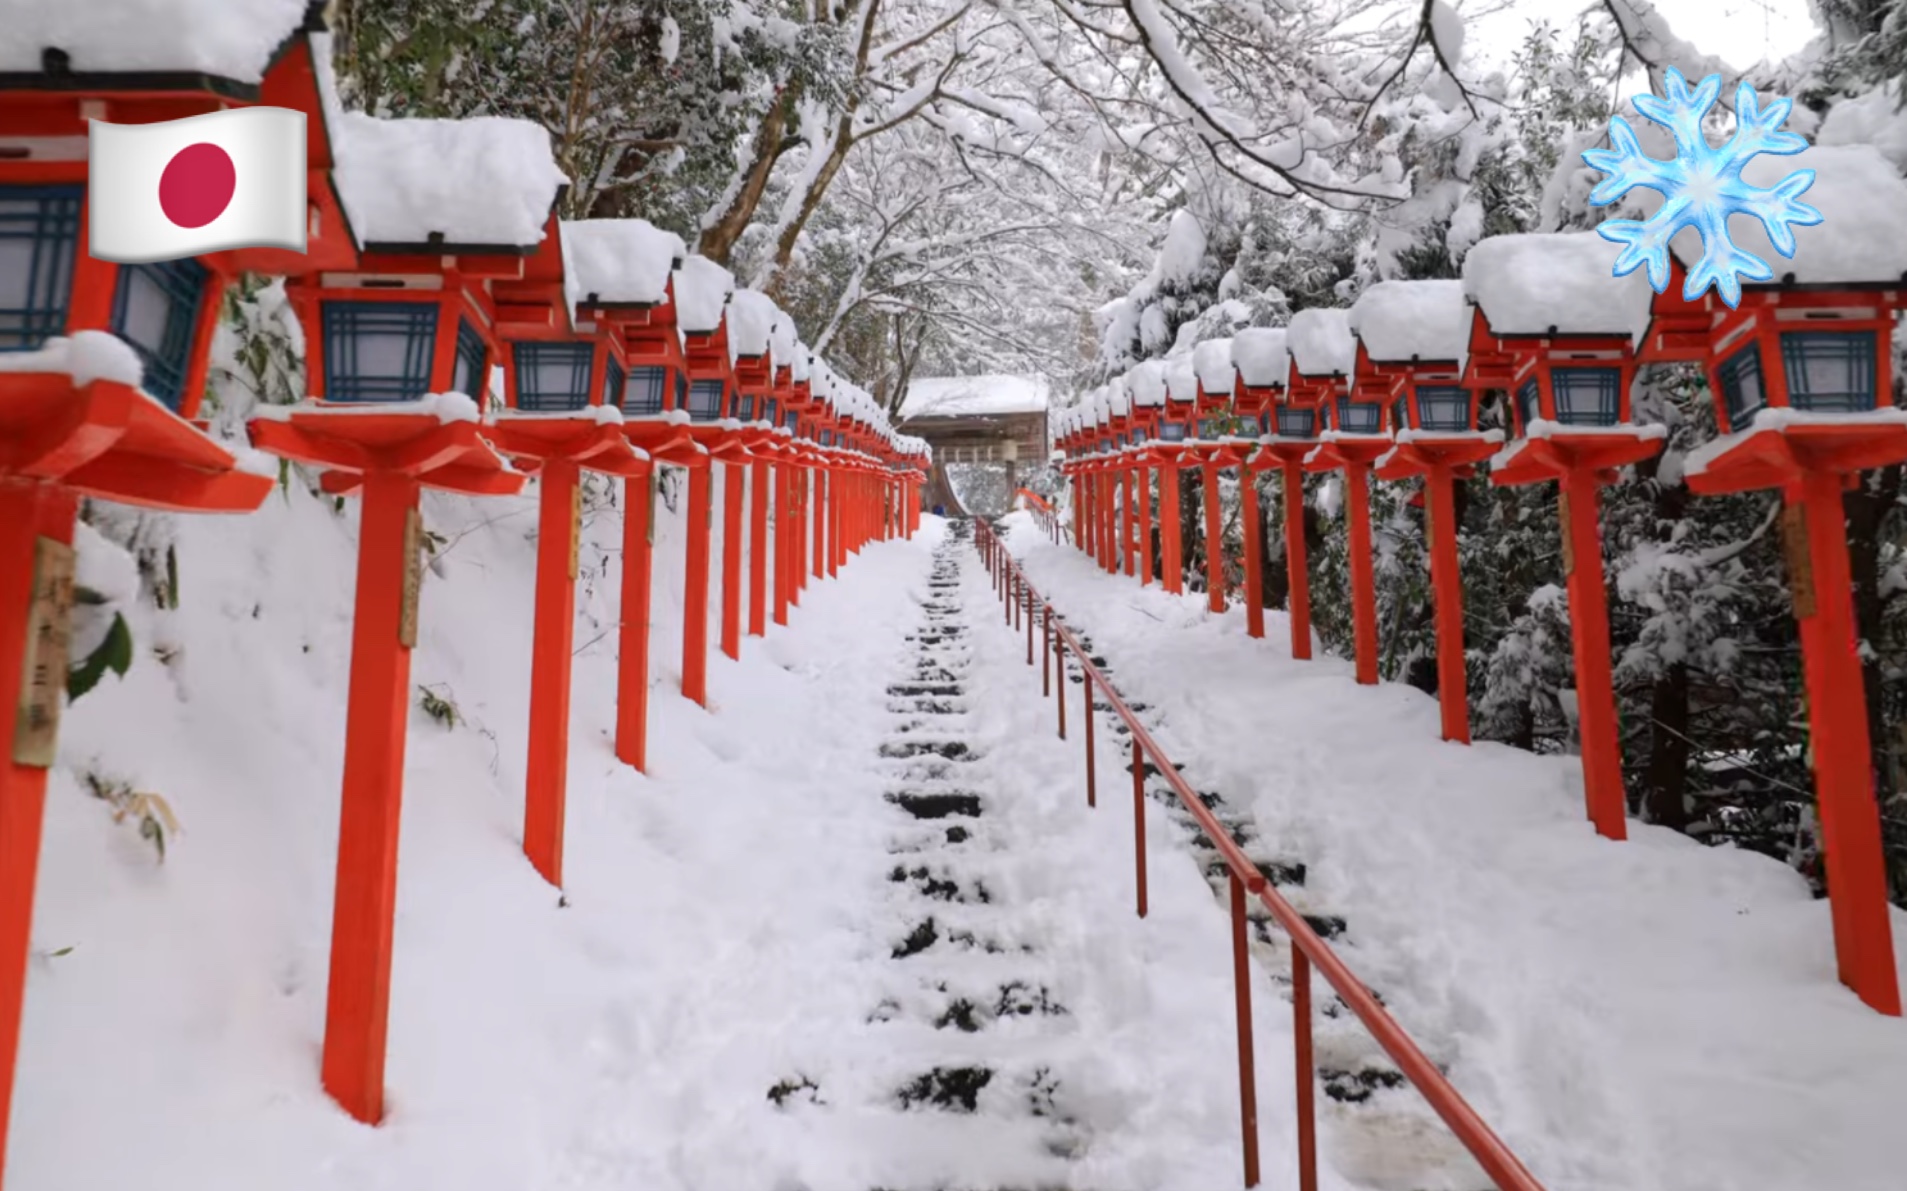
<point>1702,187</point>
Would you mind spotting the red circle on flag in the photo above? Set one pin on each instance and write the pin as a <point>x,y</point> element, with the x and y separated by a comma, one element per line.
<point>197,185</point>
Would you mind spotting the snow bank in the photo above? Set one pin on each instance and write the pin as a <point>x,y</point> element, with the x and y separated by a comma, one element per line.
<point>702,288</point>
<point>487,180</point>
<point>445,407</point>
<point>966,396</point>
<point>618,260</point>
<point>1320,342</point>
<point>1259,355</point>
<point>1528,284</point>
<point>1872,119</point>
<point>1399,321</point>
<point>219,37</point>
<point>1213,362</point>
<point>1775,418</point>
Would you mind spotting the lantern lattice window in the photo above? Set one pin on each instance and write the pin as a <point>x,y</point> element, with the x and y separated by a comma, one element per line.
<point>1442,408</point>
<point>1526,407</point>
<point>1359,417</point>
<point>644,390</point>
<point>1172,432</point>
<point>792,420</point>
<point>378,351</point>
<point>705,399</point>
<point>1211,427</point>
<point>39,235</point>
<point>552,376</point>
<point>1742,392</point>
<point>156,311</point>
<point>1297,422</point>
<point>771,411</point>
<point>1829,371</point>
<point>1587,396</point>
<point>745,406</point>
<point>1138,435</point>
<point>471,376</point>
<point>613,380</point>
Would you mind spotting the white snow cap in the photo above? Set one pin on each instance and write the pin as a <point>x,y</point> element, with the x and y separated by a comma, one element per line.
<point>1213,361</point>
<point>1181,378</point>
<point>783,344</point>
<point>488,180</point>
<point>1260,357</point>
<point>1871,119</point>
<point>702,288</point>
<point>1412,320</point>
<point>1146,380</point>
<point>1526,284</point>
<point>1120,396</point>
<point>1863,233</point>
<point>955,396</point>
<point>233,39</point>
<point>1320,342</point>
<point>1184,248</point>
<point>751,323</point>
<point>618,260</point>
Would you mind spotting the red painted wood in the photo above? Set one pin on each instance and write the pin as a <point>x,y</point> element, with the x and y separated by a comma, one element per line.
<point>1446,579</point>
<point>632,634</point>
<point>1357,518</point>
<point>733,497</point>
<point>1589,637</point>
<point>546,770</point>
<point>695,587</point>
<point>1214,541</point>
<point>1252,518</point>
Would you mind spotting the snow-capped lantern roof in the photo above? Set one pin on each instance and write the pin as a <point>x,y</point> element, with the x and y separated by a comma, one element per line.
<point>1407,321</point>
<point>784,345</point>
<point>751,322</point>
<point>1555,283</point>
<point>1146,381</point>
<point>610,262</point>
<point>1320,342</point>
<point>1259,355</point>
<point>1213,362</point>
<point>801,367</point>
<point>1181,378</point>
<point>1118,396</point>
<point>484,184</point>
<point>221,38</point>
<point>702,290</point>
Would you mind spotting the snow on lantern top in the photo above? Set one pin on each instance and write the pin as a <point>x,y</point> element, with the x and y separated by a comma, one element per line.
<point>1181,378</point>
<point>1403,321</point>
<point>486,182</point>
<point>751,323</point>
<point>1213,362</point>
<point>618,261</point>
<point>1119,397</point>
<point>783,343</point>
<point>1320,342</point>
<point>1259,355</point>
<point>1862,238</point>
<point>1146,379</point>
<point>235,41</point>
<point>702,288</point>
<point>1555,283</point>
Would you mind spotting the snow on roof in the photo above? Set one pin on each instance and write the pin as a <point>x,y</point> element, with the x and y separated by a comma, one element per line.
<point>1872,119</point>
<point>964,396</point>
<point>1119,395</point>
<point>1146,380</point>
<point>801,364</point>
<point>618,260</point>
<point>228,38</point>
<point>702,288</point>
<point>751,322</point>
<point>488,180</point>
<point>1213,361</point>
<point>1320,341</point>
<point>1412,320</point>
<point>1526,284</point>
<point>783,343</point>
<point>1862,236</point>
<point>1181,378</point>
<point>1260,357</point>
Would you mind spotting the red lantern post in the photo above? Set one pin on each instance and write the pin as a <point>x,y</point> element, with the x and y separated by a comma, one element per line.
<point>1292,419</point>
<point>1252,413</point>
<point>565,377</point>
<point>1411,336</point>
<point>402,349</point>
<point>1802,378</point>
<point>753,319</point>
<point>702,288</point>
<point>1323,360</point>
<point>1216,446</point>
<point>1552,328</point>
<point>102,369</point>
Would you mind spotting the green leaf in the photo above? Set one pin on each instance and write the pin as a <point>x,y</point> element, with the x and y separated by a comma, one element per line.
<point>114,653</point>
<point>64,951</point>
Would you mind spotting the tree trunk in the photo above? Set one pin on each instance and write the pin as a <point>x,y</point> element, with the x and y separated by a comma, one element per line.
<point>1191,528</point>
<point>1866,508</point>
<point>1665,781</point>
<point>718,240</point>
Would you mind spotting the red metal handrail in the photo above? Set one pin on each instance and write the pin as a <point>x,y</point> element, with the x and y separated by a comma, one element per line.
<point>1044,514</point>
<point>1308,949</point>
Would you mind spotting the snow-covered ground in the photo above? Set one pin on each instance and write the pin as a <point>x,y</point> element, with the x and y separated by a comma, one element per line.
<point>729,923</point>
<point>1640,1015</point>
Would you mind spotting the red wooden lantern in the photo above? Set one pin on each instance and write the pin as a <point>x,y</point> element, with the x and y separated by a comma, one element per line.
<point>1217,447</point>
<point>1559,333</point>
<point>1178,423</point>
<point>751,320</point>
<point>1287,434</point>
<point>102,366</point>
<point>1323,369</point>
<point>617,275</point>
<point>702,288</point>
<point>1802,377</point>
<point>565,376</point>
<point>402,345</point>
<point>1411,336</point>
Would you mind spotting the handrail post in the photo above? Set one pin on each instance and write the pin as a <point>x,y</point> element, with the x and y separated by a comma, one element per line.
<point>1059,662</point>
<point>1247,1078</point>
<point>1046,653</point>
<point>1086,729</point>
<point>1139,821</point>
<point>1029,625</point>
<point>1307,1081</point>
